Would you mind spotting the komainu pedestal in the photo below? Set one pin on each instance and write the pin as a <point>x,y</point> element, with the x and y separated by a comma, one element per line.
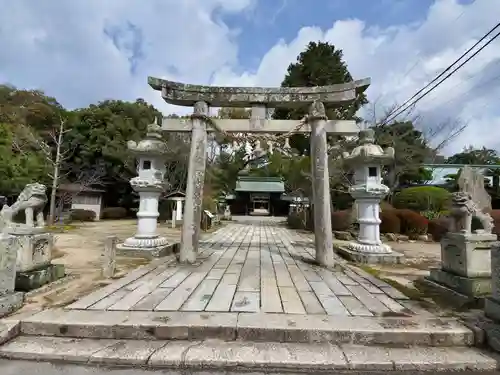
<point>492,304</point>
<point>465,265</point>
<point>465,273</point>
<point>31,240</point>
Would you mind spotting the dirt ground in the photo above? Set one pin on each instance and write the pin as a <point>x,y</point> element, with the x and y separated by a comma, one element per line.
<point>419,257</point>
<point>79,248</point>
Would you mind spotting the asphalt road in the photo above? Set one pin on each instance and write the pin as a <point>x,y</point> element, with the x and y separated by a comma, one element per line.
<point>12,367</point>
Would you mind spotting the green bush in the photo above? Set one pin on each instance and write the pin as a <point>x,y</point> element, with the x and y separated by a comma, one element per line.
<point>390,222</point>
<point>82,215</point>
<point>422,198</point>
<point>297,220</point>
<point>431,215</point>
<point>114,213</point>
<point>342,220</point>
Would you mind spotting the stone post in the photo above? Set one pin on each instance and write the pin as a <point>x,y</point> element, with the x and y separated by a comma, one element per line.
<point>109,257</point>
<point>149,184</point>
<point>321,185</point>
<point>492,304</point>
<point>194,188</point>
<point>9,299</point>
<point>178,209</point>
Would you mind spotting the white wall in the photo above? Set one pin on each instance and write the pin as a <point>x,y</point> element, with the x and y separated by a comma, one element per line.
<point>88,202</point>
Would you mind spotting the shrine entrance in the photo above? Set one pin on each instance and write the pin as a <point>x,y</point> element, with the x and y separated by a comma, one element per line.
<point>260,202</point>
<point>259,128</point>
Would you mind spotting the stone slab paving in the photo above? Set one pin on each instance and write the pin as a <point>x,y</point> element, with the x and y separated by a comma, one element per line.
<point>252,267</point>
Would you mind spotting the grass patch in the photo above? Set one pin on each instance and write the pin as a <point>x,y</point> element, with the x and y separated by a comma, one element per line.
<point>425,297</point>
<point>61,228</point>
<point>412,293</point>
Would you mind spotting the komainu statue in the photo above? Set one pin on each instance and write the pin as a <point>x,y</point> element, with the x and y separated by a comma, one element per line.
<point>463,209</point>
<point>32,200</point>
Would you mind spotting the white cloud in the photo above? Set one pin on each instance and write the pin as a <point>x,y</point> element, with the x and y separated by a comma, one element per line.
<point>81,51</point>
<point>85,51</point>
<point>403,58</point>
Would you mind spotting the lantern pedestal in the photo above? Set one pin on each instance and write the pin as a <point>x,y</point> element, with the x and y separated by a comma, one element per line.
<point>368,190</point>
<point>149,184</point>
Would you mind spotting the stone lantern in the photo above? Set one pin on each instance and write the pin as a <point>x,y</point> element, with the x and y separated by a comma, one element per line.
<point>150,153</point>
<point>366,161</point>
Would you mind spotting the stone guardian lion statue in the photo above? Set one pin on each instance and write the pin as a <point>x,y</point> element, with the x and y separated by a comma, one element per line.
<point>32,200</point>
<point>463,209</point>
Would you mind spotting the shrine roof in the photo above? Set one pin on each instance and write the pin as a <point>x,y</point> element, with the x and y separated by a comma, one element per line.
<point>260,184</point>
<point>175,194</point>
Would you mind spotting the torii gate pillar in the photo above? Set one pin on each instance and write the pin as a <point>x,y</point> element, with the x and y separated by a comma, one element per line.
<point>259,98</point>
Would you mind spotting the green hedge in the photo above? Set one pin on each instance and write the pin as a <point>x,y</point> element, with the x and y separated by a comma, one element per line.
<point>114,213</point>
<point>422,198</point>
<point>82,215</point>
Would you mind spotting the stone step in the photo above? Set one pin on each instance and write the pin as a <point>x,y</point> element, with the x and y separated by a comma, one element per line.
<point>148,325</point>
<point>244,355</point>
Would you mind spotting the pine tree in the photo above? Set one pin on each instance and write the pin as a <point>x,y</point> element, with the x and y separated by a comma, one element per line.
<point>320,64</point>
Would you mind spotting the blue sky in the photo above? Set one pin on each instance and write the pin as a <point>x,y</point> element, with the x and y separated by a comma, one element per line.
<point>280,19</point>
<point>85,51</point>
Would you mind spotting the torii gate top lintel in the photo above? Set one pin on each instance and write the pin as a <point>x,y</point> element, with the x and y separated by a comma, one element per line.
<point>183,94</point>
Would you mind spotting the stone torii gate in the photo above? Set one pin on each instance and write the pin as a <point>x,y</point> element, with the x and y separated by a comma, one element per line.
<point>259,99</point>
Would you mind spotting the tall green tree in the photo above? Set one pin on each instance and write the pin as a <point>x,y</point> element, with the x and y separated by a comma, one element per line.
<point>98,136</point>
<point>18,165</point>
<point>411,151</point>
<point>319,65</point>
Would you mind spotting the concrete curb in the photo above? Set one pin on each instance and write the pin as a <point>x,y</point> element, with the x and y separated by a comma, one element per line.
<point>149,325</point>
<point>8,331</point>
<point>255,356</point>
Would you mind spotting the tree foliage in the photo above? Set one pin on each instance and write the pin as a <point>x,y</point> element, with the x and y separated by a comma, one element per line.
<point>411,151</point>
<point>320,64</point>
<point>18,168</point>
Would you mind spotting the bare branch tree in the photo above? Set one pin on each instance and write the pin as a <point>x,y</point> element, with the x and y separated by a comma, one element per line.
<point>52,150</point>
<point>83,182</point>
<point>435,137</point>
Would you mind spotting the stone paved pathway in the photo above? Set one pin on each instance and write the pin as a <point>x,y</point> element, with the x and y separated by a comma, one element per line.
<point>258,267</point>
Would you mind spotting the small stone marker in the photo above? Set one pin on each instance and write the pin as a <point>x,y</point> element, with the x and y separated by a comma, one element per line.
<point>9,300</point>
<point>109,257</point>
<point>174,216</point>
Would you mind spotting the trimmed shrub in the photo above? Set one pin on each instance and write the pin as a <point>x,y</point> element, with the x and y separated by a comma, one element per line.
<point>114,213</point>
<point>438,227</point>
<point>385,206</point>
<point>297,220</point>
<point>390,222</point>
<point>495,214</point>
<point>342,220</point>
<point>412,223</point>
<point>82,215</point>
<point>422,198</point>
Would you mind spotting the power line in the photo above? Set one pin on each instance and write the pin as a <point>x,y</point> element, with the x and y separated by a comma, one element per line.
<point>397,111</point>
<point>473,88</point>
<point>418,55</point>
